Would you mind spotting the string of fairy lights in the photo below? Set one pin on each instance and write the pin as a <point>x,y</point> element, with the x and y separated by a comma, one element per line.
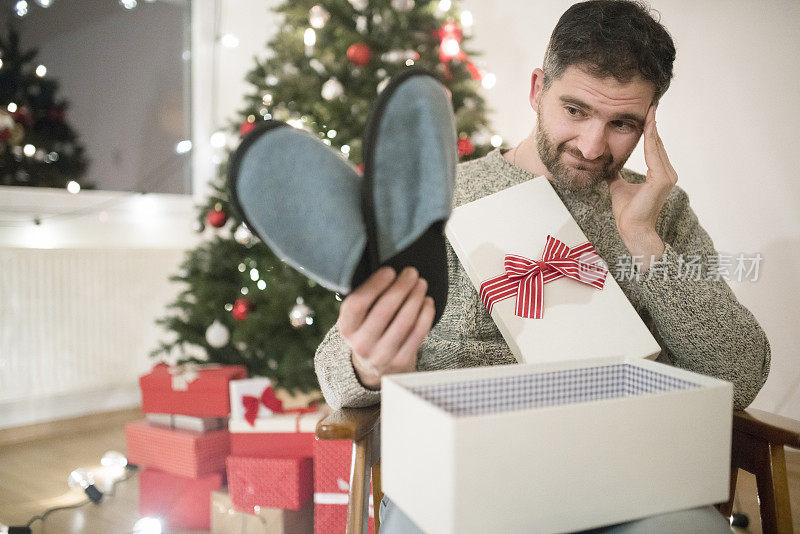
<point>113,470</point>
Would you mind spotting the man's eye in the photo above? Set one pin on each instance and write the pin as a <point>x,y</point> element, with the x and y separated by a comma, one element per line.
<point>623,126</point>
<point>574,112</point>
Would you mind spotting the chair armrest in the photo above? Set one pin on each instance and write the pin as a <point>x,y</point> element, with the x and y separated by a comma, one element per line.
<point>767,426</point>
<point>349,423</point>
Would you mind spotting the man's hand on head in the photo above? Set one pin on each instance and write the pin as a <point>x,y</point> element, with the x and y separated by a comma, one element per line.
<point>384,321</point>
<point>636,206</point>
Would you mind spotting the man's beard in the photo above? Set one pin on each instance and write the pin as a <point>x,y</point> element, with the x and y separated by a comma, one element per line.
<point>576,178</point>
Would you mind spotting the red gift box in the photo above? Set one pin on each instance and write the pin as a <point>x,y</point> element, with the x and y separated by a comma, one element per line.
<point>272,445</point>
<point>272,482</point>
<point>178,501</point>
<point>180,452</point>
<point>189,390</point>
<point>332,460</point>
<point>276,436</point>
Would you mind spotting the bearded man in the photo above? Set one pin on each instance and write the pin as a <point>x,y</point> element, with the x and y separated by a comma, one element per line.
<point>606,67</point>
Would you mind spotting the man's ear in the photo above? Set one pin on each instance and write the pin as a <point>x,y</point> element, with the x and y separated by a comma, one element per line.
<point>537,84</point>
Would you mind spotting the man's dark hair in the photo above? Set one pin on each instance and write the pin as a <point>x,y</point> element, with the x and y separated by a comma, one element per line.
<point>618,38</point>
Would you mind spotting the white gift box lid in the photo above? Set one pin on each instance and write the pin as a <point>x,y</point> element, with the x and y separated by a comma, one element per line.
<point>554,447</point>
<point>579,321</point>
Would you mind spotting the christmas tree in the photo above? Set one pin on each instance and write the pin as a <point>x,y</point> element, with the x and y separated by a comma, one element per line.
<point>324,70</point>
<point>37,146</point>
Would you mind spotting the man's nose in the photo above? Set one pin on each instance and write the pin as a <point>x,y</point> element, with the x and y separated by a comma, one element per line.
<point>592,141</point>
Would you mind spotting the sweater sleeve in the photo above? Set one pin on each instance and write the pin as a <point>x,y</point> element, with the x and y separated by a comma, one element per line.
<point>702,325</point>
<point>337,377</point>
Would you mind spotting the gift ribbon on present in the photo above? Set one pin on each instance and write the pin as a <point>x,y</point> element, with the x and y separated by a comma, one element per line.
<point>251,405</point>
<point>186,373</point>
<point>525,278</point>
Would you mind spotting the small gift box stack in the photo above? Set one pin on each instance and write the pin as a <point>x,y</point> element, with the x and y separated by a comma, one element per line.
<point>332,460</point>
<point>183,443</point>
<point>270,468</point>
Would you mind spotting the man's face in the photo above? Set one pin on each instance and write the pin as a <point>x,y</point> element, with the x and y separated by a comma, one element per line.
<point>587,127</point>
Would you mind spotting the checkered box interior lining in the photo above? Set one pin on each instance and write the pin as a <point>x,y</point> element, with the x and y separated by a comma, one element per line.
<point>555,388</point>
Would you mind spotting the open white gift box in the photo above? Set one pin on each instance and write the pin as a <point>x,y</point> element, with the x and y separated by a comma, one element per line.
<point>585,432</point>
<point>553,447</point>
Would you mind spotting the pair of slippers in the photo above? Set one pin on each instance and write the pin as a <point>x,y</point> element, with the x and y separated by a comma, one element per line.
<point>312,209</point>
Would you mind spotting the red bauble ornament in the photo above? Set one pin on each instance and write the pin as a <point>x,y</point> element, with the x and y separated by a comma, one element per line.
<point>359,54</point>
<point>246,127</point>
<point>56,115</point>
<point>217,218</point>
<point>465,147</point>
<point>240,309</point>
<point>23,116</point>
<point>360,168</point>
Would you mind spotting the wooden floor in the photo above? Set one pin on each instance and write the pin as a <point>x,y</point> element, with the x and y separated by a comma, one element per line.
<point>33,478</point>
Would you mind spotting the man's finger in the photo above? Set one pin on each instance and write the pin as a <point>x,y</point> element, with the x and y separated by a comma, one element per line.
<point>665,160</point>
<point>408,351</point>
<point>384,309</point>
<point>651,155</point>
<point>357,304</point>
<point>402,324</point>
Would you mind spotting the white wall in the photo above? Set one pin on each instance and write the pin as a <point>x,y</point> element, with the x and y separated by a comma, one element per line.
<point>729,123</point>
<point>79,296</point>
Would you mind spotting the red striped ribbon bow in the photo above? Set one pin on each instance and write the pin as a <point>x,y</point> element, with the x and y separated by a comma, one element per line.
<point>525,278</point>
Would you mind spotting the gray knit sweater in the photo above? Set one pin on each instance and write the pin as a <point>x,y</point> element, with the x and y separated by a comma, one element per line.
<point>699,324</point>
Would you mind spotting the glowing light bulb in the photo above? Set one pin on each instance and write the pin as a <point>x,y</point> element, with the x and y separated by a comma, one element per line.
<point>114,459</point>
<point>12,107</point>
<point>80,478</point>
<point>496,141</point>
<point>331,134</point>
<point>253,274</point>
<point>444,5</point>
<point>310,37</point>
<point>128,4</point>
<point>229,40</point>
<point>466,18</point>
<point>489,80</point>
<point>183,147</point>
<point>74,187</point>
<point>21,8</point>
<point>451,47</point>
<point>41,70</point>
<point>29,150</point>
<point>147,525</point>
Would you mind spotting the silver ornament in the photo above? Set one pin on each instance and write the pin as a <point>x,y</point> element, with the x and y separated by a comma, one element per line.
<point>301,314</point>
<point>218,335</point>
<point>242,235</point>
<point>331,89</point>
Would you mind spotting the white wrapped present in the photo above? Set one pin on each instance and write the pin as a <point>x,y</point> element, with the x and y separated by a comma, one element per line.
<point>545,287</point>
<point>248,398</point>
<point>554,447</point>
